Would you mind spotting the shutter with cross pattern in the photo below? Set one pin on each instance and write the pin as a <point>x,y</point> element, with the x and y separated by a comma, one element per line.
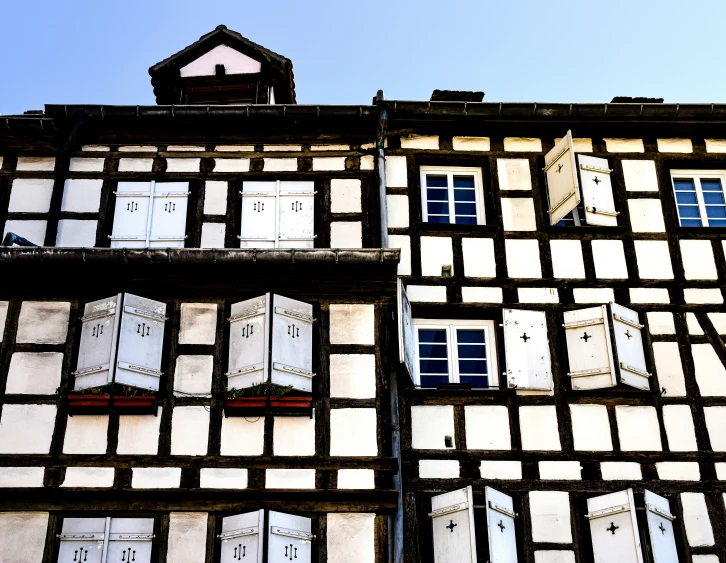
<point>240,538</point>
<point>660,528</point>
<point>289,538</point>
<point>452,518</point>
<point>563,189</point>
<point>500,527</point>
<point>99,336</point>
<point>406,340</point>
<point>527,350</point>
<point>614,528</point>
<point>169,215</point>
<point>130,540</point>
<point>589,350</point>
<point>82,540</point>
<point>597,191</point>
<point>628,343</point>
<point>131,215</point>
<point>292,343</point>
<point>249,343</point>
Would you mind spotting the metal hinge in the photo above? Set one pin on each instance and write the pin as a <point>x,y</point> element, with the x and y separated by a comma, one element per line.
<point>502,510</point>
<point>238,533</point>
<point>295,371</point>
<point>587,322</point>
<point>660,512</point>
<point>629,322</point>
<point>589,372</point>
<point>294,314</point>
<point>449,509</point>
<point>608,511</point>
<point>298,534</point>
<point>636,371</point>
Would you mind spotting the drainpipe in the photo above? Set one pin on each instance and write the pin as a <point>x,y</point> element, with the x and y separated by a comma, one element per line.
<point>380,139</point>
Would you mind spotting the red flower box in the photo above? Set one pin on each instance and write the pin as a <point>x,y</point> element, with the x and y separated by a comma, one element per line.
<point>102,404</point>
<point>258,406</point>
<point>139,404</point>
<point>88,404</point>
<point>245,406</point>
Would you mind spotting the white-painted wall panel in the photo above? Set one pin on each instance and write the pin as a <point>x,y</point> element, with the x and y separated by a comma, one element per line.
<point>640,175</point>
<point>479,261</point>
<point>710,371</point>
<point>351,538</point>
<point>609,257</point>
<point>696,520</point>
<point>43,322</point>
<point>21,477</point>
<point>487,427</point>
<point>155,478</point>
<point>86,434</point>
<point>242,436</point>
<point>187,537</point>
<point>33,230</point>
<point>30,195</point>
<point>289,478</point>
<point>345,197</point>
<point>198,324</point>
<point>346,234</point>
<point>354,432</point>
<point>22,536</point>
<point>26,429</point>
<point>436,252</point>
<point>679,428</point>
<point>716,422</point>
<point>353,376</point>
<point>356,479</point>
<point>591,427</point>
<point>396,172</point>
<point>222,478</point>
<point>88,477</point>
<point>438,469</point>
<point>293,436</point>
<point>698,260</point>
<point>189,430</point>
<point>550,516</point>
<point>669,369</point>
<point>538,425</point>
<point>514,174</point>
<point>654,260</point>
<point>646,216</point>
<point>404,243</point>
<point>638,428</point>
<point>567,260</point>
<point>523,258</point>
<point>430,425</point>
<point>351,324</point>
<point>193,375</point>
<point>620,470</point>
<point>139,435</point>
<point>397,207</point>
<point>234,63</point>
<point>518,214</point>
<point>37,373</point>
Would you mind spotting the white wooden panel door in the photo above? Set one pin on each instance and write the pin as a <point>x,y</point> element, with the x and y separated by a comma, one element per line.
<point>629,347</point>
<point>82,539</point>
<point>660,528</point>
<point>292,343</point>
<point>296,215</point>
<point>169,215</point>
<point>527,350</point>
<point>406,336</point>
<point>614,528</point>
<point>452,519</point>
<point>240,538</point>
<point>289,538</point>
<point>500,527</point>
<point>130,540</point>
<point>99,336</point>
<point>597,191</point>
<point>141,341</point>
<point>131,215</point>
<point>259,215</point>
<point>563,188</point>
<point>249,342</point>
<point>587,332</point>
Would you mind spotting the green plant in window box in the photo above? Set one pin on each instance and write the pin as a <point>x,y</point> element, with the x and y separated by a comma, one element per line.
<point>115,389</point>
<point>260,390</point>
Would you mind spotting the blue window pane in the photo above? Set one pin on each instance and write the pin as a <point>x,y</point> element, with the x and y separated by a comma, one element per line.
<point>463,181</point>
<point>713,198</point>
<point>470,336</point>
<point>466,220</point>
<point>433,181</point>
<point>682,184</point>
<point>432,350</point>
<point>716,213</point>
<point>432,381</point>
<point>432,335</point>
<point>685,197</point>
<point>438,219</point>
<point>464,195</point>
<point>688,212</point>
<point>472,366</point>
<point>465,208</point>
<point>472,351</point>
<point>435,194</point>
<point>690,223</point>
<point>477,381</point>
<point>711,185</point>
<point>717,223</point>
<point>434,366</point>
<point>437,208</point>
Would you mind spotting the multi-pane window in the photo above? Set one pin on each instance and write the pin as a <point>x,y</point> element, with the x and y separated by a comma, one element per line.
<point>452,195</point>
<point>700,198</point>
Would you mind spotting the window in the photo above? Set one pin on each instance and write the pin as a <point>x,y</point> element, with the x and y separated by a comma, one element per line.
<point>700,198</point>
<point>452,195</point>
<point>106,540</point>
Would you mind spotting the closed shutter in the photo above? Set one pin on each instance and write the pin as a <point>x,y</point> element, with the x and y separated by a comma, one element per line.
<point>452,518</point>
<point>500,527</point>
<point>614,528</point>
<point>527,350</point>
<point>406,340</point>
<point>259,215</point>
<point>292,343</point>
<point>563,188</point>
<point>289,538</point>
<point>131,215</point>
<point>82,539</point>
<point>130,540</point>
<point>249,343</point>
<point>660,528</point>
<point>587,332</point>
<point>240,538</point>
<point>296,214</point>
<point>169,215</point>
<point>597,191</point>
<point>629,347</point>
<point>141,342</point>
<point>99,336</point>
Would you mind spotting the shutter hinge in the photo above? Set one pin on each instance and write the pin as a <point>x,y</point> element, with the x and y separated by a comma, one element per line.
<point>587,322</point>
<point>238,533</point>
<point>139,369</point>
<point>290,369</point>
<point>246,369</point>
<point>502,510</point>
<point>561,202</point>
<point>605,212</point>
<point>589,372</point>
<point>93,369</point>
<point>148,314</point>
<point>556,158</point>
<point>636,371</point>
<point>449,509</point>
<point>298,534</point>
<point>99,314</point>
<point>295,314</point>
<point>660,512</point>
<point>607,511</point>
<point>590,168</point>
<point>246,314</point>
<point>627,321</point>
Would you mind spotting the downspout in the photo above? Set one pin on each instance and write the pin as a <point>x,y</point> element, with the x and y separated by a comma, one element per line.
<point>380,142</point>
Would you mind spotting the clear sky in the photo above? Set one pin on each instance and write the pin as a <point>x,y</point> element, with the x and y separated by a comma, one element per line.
<point>99,51</point>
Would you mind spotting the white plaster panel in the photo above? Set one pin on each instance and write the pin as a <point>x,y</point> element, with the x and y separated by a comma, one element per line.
<point>554,556</point>
<point>649,295</point>
<point>718,320</point>
<point>479,261</point>
<point>346,234</point>
<point>679,428</point>
<point>620,471</point>
<point>138,148</point>
<point>187,537</point>
<point>538,425</point>
<point>523,258</point>
<point>675,145</point>
<point>654,260</point>
<point>95,148</point>
<point>624,145</point>
<point>538,295</point>
<point>88,477</point>
<point>323,163</point>
<point>282,148</point>
<point>436,252</point>
<point>397,207</point>
<point>567,260</point>
<point>139,435</point>
<point>609,258</point>
<point>30,195</point>
<point>438,469</point>
<point>669,368</point>
<point>694,327</point>
<point>353,432</point>
<point>353,376</point>
<point>518,214</point>
<point>720,470</point>
<point>189,430</point>
<point>550,515</point>
<point>707,558</point>
<point>33,230</point>
<point>198,323</point>
<point>26,429</point>
<point>86,435</point>
<point>427,293</point>
<point>490,469</point>
<point>430,425</point>
<point>367,162</point>
<point>182,164</point>
<point>593,294</point>
<point>487,427</point>
<point>185,148</point>
<point>698,261</point>
<point>591,428</point>
<point>522,144</point>
<point>646,216</point>
<point>695,518</point>
<point>293,436</point>
<point>640,175</point>
<point>710,371</point>
<point>222,478</point>
<point>715,422</point>
<point>396,172</point>
<point>3,317</point>
<point>233,61</point>
<point>560,470</point>
<point>356,479</point>
<point>471,144</point>
<point>37,373</point>
<point>579,144</point>
<point>155,478</point>
<point>315,148</point>
<point>35,163</point>
<point>352,324</point>
<point>638,428</point>
<point>345,196</point>
<point>678,470</point>
<point>480,295</point>
<point>22,536</point>
<point>404,243</point>
<point>213,235</point>
<point>215,198</point>
<point>74,233</point>
<point>716,145</point>
<point>660,322</point>
<point>242,436</point>
<point>135,164</point>
<point>193,375</point>
<point>702,296</point>
<point>17,477</point>
<point>280,164</point>
<point>425,142</point>
<point>243,164</point>
<point>514,174</point>
<point>86,165</point>
<point>289,478</point>
<point>351,538</point>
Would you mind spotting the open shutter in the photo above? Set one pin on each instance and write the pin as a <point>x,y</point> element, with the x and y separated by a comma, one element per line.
<point>660,528</point>
<point>563,188</point>
<point>289,538</point>
<point>292,343</point>
<point>597,191</point>
<point>141,342</point>
<point>249,343</point>
<point>297,215</point>
<point>169,215</point>
<point>240,538</point>
<point>527,350</point>
<point>130,540</point>
<point>452,519</point>
<point>99,335</point>
<point>406,340</point>
<point>614,528</point>
<point>629,347</point>
<point>82,539</point>
<point>131,215</point>
<point>587,332</point>
<point>259,215</point>
<point>500,527</point>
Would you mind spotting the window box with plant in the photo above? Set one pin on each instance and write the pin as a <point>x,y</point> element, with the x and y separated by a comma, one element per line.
<point>122,399</point>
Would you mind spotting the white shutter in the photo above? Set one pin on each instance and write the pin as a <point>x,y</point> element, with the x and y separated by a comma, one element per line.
<point>629,347</point>
<point>587,332</point>
<point>660,528</point>
<point>249,343</point>
<point>240,538</point>
<point>141,342</point>
<point>82,540</point>
<point>562,186</point>
<point>99,335</point>
<point>259,215</point>
<point>527,350</point>
<point>500,527</point>
<point>296,214</point>
<point>169,215</point>
<point>452,519</point>
<point>597,191</point>
<point>130,540</point>
<point>406,340</point>
<point>292,343</point>
<point>614,528</point>
<point>289,538</point>
<point>131,216</point>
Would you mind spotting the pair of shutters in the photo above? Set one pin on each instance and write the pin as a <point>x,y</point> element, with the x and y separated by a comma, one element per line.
<point>615,534</point>
<point>566,188</point>
<point>604,346</point>
<point>271,335</point>
<point>452,516</point>
<point>106,540</point>
<point>121,341</point>
<point>150,215</point>
<point>288,538</point>
<point>277,215</point>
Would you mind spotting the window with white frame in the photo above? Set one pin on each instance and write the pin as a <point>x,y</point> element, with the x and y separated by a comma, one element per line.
<point>452,195</point>
<point>455,351</point>
<point>700,198</point>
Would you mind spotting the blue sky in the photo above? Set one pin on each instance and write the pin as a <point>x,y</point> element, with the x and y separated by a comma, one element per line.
<point>565,51</point>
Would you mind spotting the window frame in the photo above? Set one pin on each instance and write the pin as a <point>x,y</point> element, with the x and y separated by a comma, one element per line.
<point>696,176</point>
<point>449,172</point>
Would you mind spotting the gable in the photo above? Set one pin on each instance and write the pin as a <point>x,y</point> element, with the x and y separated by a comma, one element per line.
<point>234,63</point>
